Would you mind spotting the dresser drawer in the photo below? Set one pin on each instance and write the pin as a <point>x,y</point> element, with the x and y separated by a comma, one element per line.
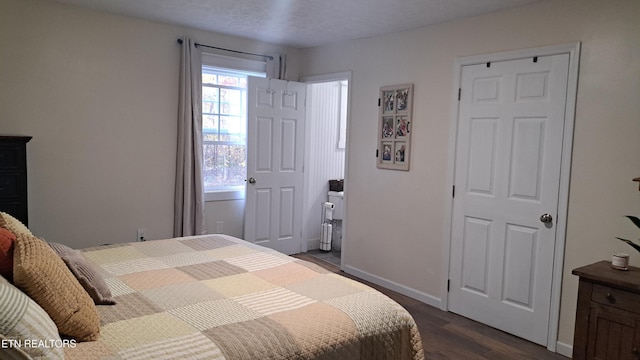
<point>10,185</point>
<point>11,157</point>
<point>12,208</point>
<point>617,298</point>
<point>13,176</point>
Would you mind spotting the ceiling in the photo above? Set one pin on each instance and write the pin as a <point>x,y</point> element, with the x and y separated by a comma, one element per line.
<point>300,23</point>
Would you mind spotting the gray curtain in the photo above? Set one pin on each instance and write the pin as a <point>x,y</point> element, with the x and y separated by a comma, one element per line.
<point>189,216</point>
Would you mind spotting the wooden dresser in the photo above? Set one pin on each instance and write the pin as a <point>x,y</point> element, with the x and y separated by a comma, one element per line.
<point>608,313</point>
<point>13,176</point>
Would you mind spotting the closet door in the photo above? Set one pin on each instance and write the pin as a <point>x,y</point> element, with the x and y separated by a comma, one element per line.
<point>508,162</point>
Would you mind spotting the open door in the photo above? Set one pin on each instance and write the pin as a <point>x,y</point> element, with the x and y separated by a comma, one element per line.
<point>275,154</point>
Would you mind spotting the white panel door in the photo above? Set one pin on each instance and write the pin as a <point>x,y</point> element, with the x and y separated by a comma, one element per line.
<point>507,173</point>
<point>275,153</point>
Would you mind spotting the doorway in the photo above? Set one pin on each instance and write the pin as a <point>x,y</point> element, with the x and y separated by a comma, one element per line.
<point>325,161</point>
<point>513,134</point>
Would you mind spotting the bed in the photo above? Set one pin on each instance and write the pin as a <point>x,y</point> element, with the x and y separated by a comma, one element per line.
<point>219,297</point>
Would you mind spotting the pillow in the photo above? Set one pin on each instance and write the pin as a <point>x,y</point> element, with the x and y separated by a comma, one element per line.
<point>22,319</point>
<point>41,274</point>
<point>7,238</point>
<point>87,275</point>
<point>12,224</point>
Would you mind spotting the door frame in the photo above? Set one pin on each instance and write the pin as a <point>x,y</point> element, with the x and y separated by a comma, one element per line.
<point>573,49</point>
<point>310,79</point>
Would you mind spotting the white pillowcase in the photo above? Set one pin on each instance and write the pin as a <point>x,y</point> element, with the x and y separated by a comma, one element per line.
<point>22,319</point>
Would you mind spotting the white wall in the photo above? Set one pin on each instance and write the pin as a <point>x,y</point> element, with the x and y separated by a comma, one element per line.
<point>98,93</point>
<point>230,213</point>
<point>395,227</point>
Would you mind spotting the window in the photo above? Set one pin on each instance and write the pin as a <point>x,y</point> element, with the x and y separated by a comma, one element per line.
<point>224,132</point>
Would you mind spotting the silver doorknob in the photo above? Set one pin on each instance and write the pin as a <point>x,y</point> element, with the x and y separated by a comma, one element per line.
<point>252,180</point>
<point>546,218</point>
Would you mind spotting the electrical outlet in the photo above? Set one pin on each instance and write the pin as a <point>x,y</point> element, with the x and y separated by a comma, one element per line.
<point>141,235</point>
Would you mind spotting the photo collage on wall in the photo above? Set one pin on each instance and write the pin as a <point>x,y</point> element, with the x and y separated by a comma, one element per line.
<point>394,135</point>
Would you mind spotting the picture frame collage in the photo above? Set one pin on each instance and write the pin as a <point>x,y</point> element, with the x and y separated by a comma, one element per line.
<point>394,126</point>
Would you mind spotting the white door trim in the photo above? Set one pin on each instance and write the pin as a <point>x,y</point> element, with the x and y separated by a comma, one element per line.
<point>345,75</point>
<point>573,49</point>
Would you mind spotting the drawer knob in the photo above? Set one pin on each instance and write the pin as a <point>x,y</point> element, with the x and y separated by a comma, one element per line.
<point>635,351</point>
<point>611,298</point>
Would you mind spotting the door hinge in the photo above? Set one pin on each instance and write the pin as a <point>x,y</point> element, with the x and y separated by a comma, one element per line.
<point>459,93</point>
<point>448,285</point>
<point>378,102</point>
<point>377,152</point>
<point>453,193</point>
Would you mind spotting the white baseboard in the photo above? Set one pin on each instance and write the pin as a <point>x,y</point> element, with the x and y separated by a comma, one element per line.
<point>564,349</point>
<point>392,285</point>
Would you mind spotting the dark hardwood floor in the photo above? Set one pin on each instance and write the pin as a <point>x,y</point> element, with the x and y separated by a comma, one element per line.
<point>449,336</point>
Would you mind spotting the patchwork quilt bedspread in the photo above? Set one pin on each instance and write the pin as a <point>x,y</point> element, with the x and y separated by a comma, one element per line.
<point>218,297</point>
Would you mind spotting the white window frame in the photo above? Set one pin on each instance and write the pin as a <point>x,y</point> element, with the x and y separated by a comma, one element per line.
<point>238,65</point>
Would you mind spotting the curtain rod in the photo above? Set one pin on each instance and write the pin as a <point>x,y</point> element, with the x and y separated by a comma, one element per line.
<point>235,51</point>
